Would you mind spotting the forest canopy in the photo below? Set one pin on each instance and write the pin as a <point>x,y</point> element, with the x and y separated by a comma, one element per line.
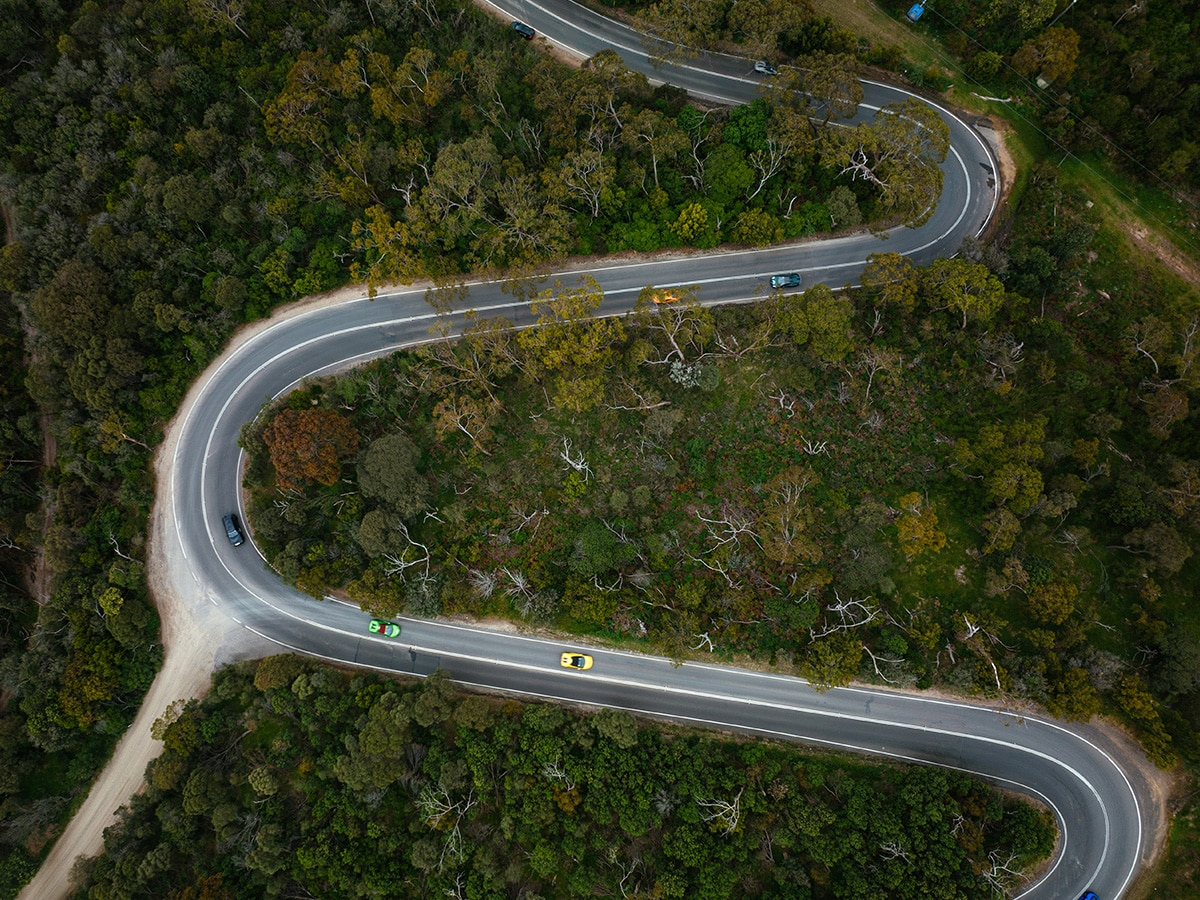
<point>174,168</point>
<point>919,482</point>
<point>296,778</point>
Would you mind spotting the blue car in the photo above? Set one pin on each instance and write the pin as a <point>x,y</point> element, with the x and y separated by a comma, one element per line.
<point>1089,896</point>
<point>523,30</point>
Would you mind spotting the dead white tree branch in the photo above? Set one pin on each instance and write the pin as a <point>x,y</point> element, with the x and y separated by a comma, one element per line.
<point>727,813</point>
<point>893,850</point>
<point>557,772</point>
<point>786,403</point>
<point>112,539</point>
<point>815,448</point>
<point>850,614</point>
<point>482,583</point>
<point>730,528</point>
<point>876,660</point>
<point>714,566</point>
<point>524,519</point>
<point>999,873</point>
<point>575,461</point>
<point>518,583</point>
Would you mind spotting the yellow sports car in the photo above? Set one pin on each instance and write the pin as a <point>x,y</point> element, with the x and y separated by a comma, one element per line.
<point>576,661</point>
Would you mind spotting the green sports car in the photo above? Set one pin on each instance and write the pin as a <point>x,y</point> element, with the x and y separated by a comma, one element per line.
<point>387,629</point>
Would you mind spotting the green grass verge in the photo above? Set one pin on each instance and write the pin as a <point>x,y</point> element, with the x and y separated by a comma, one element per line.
<point>1179,873</point>
<point>1134,208</point>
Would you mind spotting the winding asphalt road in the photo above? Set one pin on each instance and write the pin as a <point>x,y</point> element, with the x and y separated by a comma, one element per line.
<point>1070,769</point>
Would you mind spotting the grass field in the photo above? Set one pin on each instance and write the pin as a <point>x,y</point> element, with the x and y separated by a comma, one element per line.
<point>1155,224</point>
<point>1158,225</point>
<point>866,19</point>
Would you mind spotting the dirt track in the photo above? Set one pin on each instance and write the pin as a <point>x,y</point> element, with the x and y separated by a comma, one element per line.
<point>197,639</point>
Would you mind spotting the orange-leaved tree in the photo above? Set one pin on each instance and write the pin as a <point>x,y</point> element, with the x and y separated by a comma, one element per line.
<point>309,445</point>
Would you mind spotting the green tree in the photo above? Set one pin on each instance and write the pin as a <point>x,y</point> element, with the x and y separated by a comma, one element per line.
<point>618,726</point>
<point>1016,484</point>
<point>300,113</point>
<point>389,471</point>
<point>1030,14</point>
<point>264,782</point>
<point>598,551</point>
<point>843,209</point>
<point>1001,528</point>
<point>692,223</point>
<point>984,65</point>
<point>387,250</point>
<point>656,135</point>
<point>789,521</point>
<point>1052,54</point>
<point>900,153</point>
<point>375,756</point>
<point>1167,549</point>
<point>585,175</point>
<point>757,227</point>
<point>279,671</point>
<point>964,287</point>
<point>89,682</point>
<point>1074,696</point>
<point>829,317</point>
<point>746,127</point>
<point>676,29</point>
<point>895,279</point>
<point>1166,405</point>
<point>727,176</point>
<point>832,79</point>
<point>380,532</point>
<point>1178,667</point>
<point>456,202</point>
<point>917,526</point>
<point>571,342</point>
<point>1053,603</point>
<point>757,24</point>
<point>832,661</point>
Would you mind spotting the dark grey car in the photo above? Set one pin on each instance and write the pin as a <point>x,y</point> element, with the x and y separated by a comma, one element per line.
<point>233,529</point>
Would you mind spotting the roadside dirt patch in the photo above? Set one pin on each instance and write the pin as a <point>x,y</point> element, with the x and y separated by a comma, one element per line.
<point>997,132</point>
<point>1164,252</point>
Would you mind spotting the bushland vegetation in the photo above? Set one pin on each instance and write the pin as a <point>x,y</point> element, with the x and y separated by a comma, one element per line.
<point>1115,78</point>
<point>293,779</point>
<point>173,169</point>
<point>979,474</point>
<point>20,536</point>
<point>1110,80</point>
